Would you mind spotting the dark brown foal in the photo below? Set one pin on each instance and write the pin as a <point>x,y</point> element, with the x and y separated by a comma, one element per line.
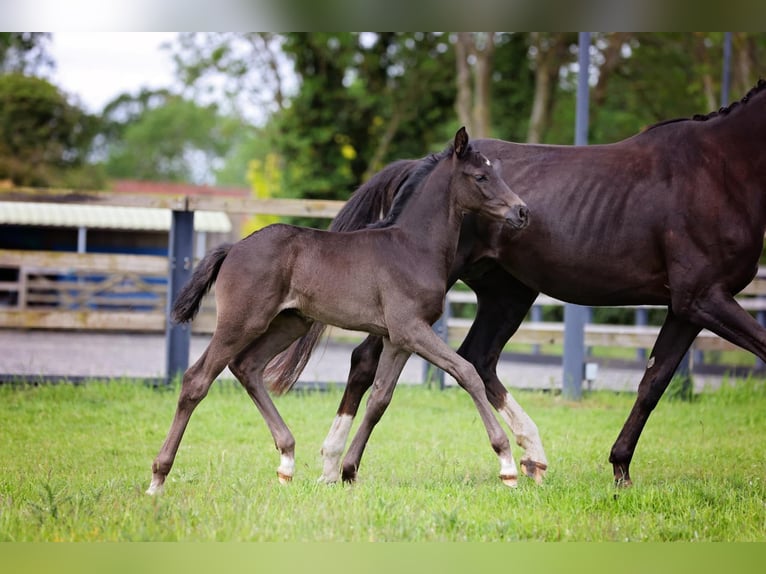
<point>389,280</point>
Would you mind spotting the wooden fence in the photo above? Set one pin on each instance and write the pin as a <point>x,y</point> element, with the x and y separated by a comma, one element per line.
<point>107,292</point>
<point>54,290</point>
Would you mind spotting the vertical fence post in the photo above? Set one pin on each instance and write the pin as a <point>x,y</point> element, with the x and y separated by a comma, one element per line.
<point>181,261</point>
<point>575,316</point>
<point>441,328</point>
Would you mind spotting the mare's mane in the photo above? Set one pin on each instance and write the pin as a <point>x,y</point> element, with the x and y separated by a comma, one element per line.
<point>723,111</point>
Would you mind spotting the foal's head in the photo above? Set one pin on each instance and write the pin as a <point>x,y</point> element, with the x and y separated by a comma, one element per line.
<point>478,187</point>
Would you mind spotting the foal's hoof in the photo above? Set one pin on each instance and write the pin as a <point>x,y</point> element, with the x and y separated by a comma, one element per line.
<point>349,474</point>
<point>284,478</point>
<point>510,480</point>
<point>534,470</point>
<point>155,487</point>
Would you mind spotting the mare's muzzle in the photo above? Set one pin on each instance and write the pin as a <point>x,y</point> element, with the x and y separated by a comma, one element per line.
<point>518,216</point>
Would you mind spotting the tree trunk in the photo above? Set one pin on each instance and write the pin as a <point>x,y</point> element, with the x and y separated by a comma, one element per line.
<point>464,89</point>
<point>473,54</point>
<point>540,104</point>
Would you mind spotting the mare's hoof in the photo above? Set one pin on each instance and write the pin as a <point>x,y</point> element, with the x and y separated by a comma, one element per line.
<point>284,478</point>
<point>534,470</point>
<point>623,482</point>
<point>510,480</point>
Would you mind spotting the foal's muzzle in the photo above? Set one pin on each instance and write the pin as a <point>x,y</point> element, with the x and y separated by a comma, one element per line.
<point>518,216</point>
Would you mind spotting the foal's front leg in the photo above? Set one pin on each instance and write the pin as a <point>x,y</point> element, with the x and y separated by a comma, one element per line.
<point>390,365</point>
<point>422,340</point>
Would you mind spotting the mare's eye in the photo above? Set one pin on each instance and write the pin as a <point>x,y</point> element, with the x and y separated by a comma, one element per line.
<point>481,178</point>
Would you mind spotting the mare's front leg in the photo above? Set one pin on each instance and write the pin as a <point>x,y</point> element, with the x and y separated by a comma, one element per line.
<point>503,303</point>
<point>364,364</point>
<point>390,365</point>
<point>248,367</point>
<point>675,338</point>
<point>421,339</point>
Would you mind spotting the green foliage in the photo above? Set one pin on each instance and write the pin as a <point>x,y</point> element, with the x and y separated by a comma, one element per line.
<point>512,87</point>
<point>361,104</point>
<point>75,461</point>
<point>42,134</point>
<point>165,137</point>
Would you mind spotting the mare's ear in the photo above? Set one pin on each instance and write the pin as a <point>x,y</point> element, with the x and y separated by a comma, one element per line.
<point>461,142</point>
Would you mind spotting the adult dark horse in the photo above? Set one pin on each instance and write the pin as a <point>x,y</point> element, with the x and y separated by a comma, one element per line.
<point>672,216</point>
<point>389,281</point>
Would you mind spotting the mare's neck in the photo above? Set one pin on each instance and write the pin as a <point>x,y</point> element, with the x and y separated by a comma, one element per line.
<point>741,133</point>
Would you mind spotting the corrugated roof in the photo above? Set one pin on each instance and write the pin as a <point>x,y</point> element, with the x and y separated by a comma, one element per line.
<point>104,217</point>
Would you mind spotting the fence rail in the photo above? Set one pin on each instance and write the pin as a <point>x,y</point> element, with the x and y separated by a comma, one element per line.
<point>89,291</point>
<point>109,292</point>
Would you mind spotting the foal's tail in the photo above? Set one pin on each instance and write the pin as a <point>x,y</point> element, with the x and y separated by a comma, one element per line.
<point>367,205</point>
<point>190,297</point>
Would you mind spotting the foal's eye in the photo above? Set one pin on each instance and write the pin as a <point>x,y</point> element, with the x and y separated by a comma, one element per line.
<point>481,178</point>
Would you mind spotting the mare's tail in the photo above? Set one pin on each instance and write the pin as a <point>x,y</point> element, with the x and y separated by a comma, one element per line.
<point>368,204</point>
<point>190,297</point>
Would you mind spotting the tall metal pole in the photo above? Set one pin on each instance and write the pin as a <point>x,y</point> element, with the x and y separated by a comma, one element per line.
<point>575,316</point>
<point>181,259</point>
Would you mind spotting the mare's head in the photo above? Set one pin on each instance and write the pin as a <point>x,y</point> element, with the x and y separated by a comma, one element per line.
<point>478,187</point>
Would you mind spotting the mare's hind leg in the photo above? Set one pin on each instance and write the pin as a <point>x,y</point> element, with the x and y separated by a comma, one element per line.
<point>390,365</point>
<point>421,339</point>
<point>503,303</point>
<point>194,387</point>
<point>248,367</point>
<point>364,362</point>
<point>675,338</point>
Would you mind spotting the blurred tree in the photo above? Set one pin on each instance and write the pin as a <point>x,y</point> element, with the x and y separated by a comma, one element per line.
<point>473,55</point>
<point>161,136</point>
<point>25,53</point>
<point>513,84</point>
<point>44,140</point>
<point>345,104</point>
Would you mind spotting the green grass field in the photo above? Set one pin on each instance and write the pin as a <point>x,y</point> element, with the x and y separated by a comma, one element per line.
<point>75,461</point>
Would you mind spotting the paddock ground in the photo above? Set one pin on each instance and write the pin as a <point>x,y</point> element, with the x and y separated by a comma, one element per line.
<point>35,353</point>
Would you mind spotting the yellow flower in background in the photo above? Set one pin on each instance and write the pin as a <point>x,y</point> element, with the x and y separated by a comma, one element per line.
<point>348,151</point>
<point>265,179</point>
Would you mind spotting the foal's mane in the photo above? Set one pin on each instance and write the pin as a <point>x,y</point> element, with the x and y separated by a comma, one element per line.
<point>410,185</point>
<point>723,111</point>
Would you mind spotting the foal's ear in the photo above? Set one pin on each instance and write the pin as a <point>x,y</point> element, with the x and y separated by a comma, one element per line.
<point>461,142</point>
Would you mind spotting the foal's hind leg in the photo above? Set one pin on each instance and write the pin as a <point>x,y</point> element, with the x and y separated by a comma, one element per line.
<point>248,367</point>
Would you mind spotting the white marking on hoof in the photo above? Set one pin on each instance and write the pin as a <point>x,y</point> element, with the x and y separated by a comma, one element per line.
<point>511,481</point>
<point>332,448</point>
<point>524,430</point>
<point>508,472</point>
<point>286,468</point>
<point>155,487</point>
<point>534,470</point>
